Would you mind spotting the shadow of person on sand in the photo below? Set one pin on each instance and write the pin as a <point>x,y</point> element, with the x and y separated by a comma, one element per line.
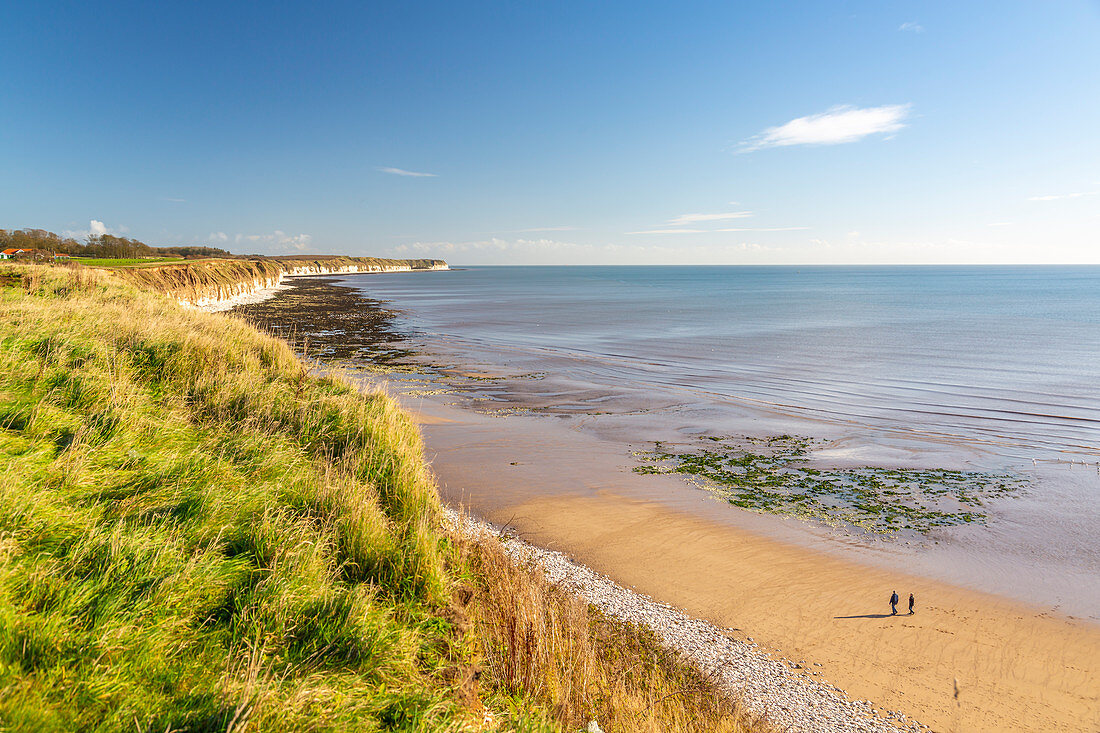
<point>871,615</point>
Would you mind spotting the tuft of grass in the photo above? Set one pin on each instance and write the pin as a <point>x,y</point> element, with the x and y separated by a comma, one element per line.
<point>198,534</point>
<point>544,644</point>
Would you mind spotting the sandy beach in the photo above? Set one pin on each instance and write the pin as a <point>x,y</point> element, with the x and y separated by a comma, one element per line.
<point>1017,669</point>
<point>1014,667</point>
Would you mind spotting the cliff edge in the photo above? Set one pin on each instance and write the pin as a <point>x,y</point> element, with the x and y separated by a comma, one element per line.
<point>210,283</point>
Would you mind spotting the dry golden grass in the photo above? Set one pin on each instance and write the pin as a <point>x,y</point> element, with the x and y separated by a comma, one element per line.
<point>543,643</point>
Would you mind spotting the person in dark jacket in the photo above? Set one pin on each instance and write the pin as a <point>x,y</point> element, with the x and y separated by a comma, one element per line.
<point>912,602</point>
<point>894,603</point>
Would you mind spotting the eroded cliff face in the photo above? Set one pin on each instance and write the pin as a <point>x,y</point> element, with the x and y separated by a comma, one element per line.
<point>223,296</point>
<point>221,284</point>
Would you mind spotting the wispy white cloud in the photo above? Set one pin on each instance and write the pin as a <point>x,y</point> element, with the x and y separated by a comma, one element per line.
<point>845,249</point>
<point>843,124</point>
<point>1060,196</point>
<point>998,248</point>
<point>670,227</point>
<point>726,229</point>
<point>403,172</point>
<point>693,218</point>
<point>669,231</point>
<point>494,244</point>
<point>174,201</point>
<point>527,230</point>
<point>999,224</point>
<point>297,242</point>
<point>911,27</point>
<point>549,251</point>
<point>218,237</point>
<point>762,229</point>
<point>96,228</point>
<point>277,240</point>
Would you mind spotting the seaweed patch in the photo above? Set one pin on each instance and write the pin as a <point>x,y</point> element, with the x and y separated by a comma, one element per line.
<point>774,475</point>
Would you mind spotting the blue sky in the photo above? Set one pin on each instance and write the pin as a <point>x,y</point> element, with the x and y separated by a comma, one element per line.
<point>721,132</point>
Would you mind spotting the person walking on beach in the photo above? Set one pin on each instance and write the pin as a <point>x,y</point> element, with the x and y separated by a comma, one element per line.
<point>894,604</point>
<point>912,602</point>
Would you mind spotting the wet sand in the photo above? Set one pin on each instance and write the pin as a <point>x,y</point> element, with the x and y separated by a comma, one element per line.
<point>1017,667</point>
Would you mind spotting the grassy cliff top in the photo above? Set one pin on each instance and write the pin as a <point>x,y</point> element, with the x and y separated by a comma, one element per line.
<point>195,531</point>
<point>198,535</point>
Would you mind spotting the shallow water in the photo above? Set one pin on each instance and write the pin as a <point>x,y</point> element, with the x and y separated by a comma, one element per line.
<point>1007,355</point>
<point>982,368</point>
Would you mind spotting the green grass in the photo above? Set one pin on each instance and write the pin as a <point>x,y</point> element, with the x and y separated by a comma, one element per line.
<point>196,534</point>
<point>134,262</point>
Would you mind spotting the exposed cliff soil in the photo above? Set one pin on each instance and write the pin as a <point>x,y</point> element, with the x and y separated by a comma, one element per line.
<point>206,282</point>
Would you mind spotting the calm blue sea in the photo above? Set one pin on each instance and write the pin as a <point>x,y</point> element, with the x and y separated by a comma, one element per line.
<point>991,368</point>
<point>1006,356</point>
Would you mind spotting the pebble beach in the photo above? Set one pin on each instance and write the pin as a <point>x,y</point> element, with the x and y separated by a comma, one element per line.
<point>784,691</point>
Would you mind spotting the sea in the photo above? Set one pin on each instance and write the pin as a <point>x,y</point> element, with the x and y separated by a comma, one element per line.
<point>964,368</point>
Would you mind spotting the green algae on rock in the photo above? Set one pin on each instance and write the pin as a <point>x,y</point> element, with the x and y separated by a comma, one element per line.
<point>774,475</point>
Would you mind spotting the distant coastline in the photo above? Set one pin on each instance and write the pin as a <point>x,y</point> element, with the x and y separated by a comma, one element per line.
<point>220,284</point>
